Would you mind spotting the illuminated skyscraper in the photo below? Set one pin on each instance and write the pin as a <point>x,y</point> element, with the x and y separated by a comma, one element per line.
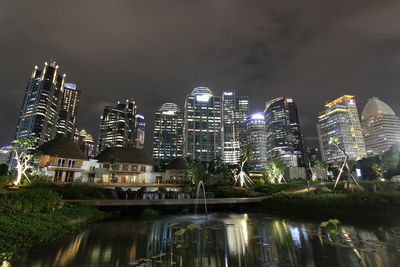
<point>284,139</point>
<point>117,126</point>
<point>168,133</point>
<point>234,115</point>
<point>41,107</point>
<point>257,141</point>
<point>380,126</point>
<point>85,142</point>
<point>241,114</point>
<point>139,131</point>
<point>68,112</point>
<point>202,136</point>
<point>340,119</point>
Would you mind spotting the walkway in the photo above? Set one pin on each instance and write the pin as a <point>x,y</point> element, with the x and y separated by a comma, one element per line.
<point>183,202</point>
<point>167,202</point>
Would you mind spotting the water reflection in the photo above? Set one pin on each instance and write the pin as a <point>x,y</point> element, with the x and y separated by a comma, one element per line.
<point>222,240</point>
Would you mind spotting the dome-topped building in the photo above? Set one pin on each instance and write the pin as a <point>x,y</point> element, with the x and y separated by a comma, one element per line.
<point>380,126</point>
<point>201,91</point>
<point>375,107</point>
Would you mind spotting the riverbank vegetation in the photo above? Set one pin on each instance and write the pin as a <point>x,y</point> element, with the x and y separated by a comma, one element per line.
<point>373,202</point>
<point>29,217</point>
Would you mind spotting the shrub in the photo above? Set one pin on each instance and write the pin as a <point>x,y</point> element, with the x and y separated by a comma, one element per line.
<point>83,192</point>
<point>22,231</point>
<point>25,201</point>
<point>6,179</point>
<point>39,178</point>
<point>372,206</point>
<point>229,191</point>
<point>275,188</point>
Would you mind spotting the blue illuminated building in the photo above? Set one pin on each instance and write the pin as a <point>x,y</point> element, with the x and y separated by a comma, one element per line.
<point>257,141</point>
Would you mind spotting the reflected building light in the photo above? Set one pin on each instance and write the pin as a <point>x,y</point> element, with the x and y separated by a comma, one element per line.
<point>66,255</point>
<point>244,231</point>
<point>294,231</point>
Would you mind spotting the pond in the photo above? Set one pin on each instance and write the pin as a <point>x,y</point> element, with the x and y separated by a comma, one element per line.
<point>225,239</point>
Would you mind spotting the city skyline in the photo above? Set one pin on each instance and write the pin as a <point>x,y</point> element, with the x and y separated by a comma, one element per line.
<point>72,99</point>
<point>258,57</point>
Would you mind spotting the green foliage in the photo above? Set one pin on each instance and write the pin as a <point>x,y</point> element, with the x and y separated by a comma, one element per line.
<point>83,191</point>
<point>27,201</point>
<point>321,165</point>
<point>6,179</point>
<point>372,207</point>
<point>22,231</point>
<point>385,165</point>
<point>381,186</point>
<point>258,183</point>
<point>334,140</point>
<point>333,222</point>
<point>37,178</point>
<point>35,214</point>
<point>191,227</point>
<point>23,156</point>
<point>329,224</point>
<point>180,232</point>
<point>23,144</point>
<point>196,171</point>
<point>149,213</point>
<point>261,186</point>
<point>73,191</point>
<point>274,170</point>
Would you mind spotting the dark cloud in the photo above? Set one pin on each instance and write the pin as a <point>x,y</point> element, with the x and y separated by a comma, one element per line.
<point>157,51</point>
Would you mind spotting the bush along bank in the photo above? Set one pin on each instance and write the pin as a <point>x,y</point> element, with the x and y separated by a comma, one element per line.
<point>366,207</point>
<point>31,217</point>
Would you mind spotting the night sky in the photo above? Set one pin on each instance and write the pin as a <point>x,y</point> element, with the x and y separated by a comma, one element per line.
<point>158,51</point>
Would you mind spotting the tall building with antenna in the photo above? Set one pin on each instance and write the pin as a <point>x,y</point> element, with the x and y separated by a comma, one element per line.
<point>41,114</point>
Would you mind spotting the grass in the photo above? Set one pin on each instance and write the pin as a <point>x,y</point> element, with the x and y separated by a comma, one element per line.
<point>270,189</point>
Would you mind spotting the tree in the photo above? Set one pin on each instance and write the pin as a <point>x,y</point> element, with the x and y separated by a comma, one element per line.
<point>245,157</point>
<point>223,170</point>
<point>196,171</point>
<point>385,165</point>
<point>22,150</point>
<point>274,171</point>
<point>241,176</point>
<point>321,165</point>
<point>345,165</point>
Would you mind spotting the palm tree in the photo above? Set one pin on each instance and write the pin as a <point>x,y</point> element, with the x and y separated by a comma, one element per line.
<point>274,171</point>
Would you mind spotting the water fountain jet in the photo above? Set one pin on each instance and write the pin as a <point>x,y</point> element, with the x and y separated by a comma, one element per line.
<point>201,183</point>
